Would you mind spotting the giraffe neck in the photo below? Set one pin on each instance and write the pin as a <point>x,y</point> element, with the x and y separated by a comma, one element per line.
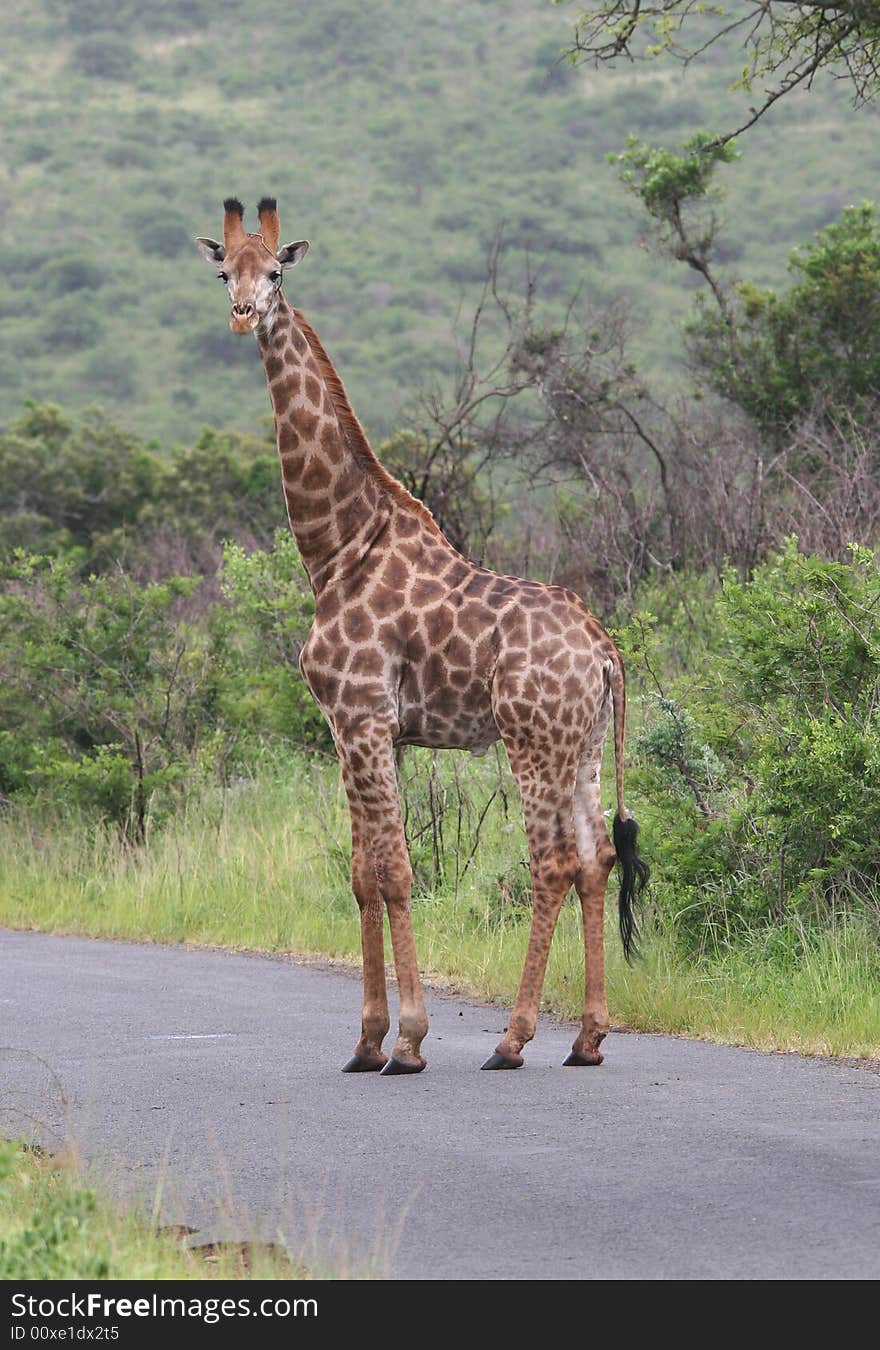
<point>337,503</point>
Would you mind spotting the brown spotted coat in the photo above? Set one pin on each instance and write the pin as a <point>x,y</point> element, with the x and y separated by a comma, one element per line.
<point>412,644</point>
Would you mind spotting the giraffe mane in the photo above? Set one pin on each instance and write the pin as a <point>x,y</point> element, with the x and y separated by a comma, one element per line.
<point>354,432</point>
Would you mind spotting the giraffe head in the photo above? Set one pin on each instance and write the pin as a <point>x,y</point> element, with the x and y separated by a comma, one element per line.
<point>251,266</point>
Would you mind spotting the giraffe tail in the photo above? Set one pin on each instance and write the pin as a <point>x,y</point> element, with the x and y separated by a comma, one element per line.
<point>634,871</point>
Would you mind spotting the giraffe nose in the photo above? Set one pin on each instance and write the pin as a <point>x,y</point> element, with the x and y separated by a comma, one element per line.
<point>243,310</point>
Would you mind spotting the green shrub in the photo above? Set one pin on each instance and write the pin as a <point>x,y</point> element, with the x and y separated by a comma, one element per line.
<point>71,323</point>
<point>225,486</point>
<point>66,484</point>
<point>108,692</point>
<point>119,696</point>
<point>105,56</point>
<point>57,1238</point>
<point>161,233</point>
<point>75,273</point>
<point>819,340</point>
<point>111,373</point>
<point>215,345</point>
<point>763,773</point>
<point>271,608</point>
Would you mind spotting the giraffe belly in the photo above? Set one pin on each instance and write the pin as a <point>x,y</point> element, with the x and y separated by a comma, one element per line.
<point>467,728</point>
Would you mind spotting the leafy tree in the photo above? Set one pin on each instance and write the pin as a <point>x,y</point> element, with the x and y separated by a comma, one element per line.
<point>818,343</point>
<point>679,194</point>
<point>119,696</point>
<point>90,486</point>
<point>227,485</point>
<point>778,357</point>
<point>772,767</point>
<point>108,692</point>
<point>805,660</point>
<point>271,608</point>
<point>786,42</point>
<point>69,486</point>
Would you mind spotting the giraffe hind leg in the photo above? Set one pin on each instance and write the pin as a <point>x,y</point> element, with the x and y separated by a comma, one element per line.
<point>596,855</point>
<point>545,777</point>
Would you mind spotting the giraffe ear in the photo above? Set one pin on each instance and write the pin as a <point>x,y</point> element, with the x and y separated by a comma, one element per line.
<point>289,254</point>
<point>211,250</point>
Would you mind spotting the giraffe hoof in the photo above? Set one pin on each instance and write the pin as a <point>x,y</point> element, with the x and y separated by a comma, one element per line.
<point>497,1061</point>
<point>578,1060</point>
<point>358,1065</point>
<point>402,1066</point>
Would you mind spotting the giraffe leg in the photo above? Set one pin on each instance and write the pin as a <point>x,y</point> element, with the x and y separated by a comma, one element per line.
<point>369,767</point>
<point>596,861</point>
<point>413,1025</point>
<point>546,788</point>
<point>368,1054</point>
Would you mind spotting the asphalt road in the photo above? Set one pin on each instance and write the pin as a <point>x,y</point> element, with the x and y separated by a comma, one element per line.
<point>215,1079</point>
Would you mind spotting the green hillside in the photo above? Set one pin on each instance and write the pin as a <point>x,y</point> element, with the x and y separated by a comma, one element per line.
<point>396,137</point>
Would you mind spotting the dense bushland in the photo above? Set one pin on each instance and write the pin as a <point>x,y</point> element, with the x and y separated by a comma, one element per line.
<point>397,138</point>
<point>153,606</point>
<point>759,756</point>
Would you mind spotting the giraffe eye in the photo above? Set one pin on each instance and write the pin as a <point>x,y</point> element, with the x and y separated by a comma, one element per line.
<point>223,276</point>
<point>274,276</point>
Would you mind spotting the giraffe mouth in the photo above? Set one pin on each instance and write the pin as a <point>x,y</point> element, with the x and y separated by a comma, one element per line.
<point>243,323</point>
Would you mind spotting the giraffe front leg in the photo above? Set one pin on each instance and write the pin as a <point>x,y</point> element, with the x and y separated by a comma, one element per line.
<point>369,766</point>
<point>368,1053</point>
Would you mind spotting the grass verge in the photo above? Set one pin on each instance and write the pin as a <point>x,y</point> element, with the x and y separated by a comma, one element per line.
<point>55,1225</point>
<point>264,866</point>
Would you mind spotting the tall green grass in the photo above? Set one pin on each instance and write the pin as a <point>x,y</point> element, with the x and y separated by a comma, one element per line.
<point>56,1225</point>
<point>264,865</point>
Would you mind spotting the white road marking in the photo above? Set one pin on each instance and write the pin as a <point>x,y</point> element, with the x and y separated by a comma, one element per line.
<point>194,1036</point>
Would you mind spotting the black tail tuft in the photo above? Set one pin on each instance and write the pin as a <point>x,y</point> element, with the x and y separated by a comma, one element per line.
<point>634,879</point>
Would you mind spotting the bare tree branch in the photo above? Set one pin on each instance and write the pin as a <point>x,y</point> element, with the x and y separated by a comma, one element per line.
<point>786,42</point>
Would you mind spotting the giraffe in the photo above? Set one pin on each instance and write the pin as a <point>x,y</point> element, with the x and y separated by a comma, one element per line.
<point>412,644</point>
